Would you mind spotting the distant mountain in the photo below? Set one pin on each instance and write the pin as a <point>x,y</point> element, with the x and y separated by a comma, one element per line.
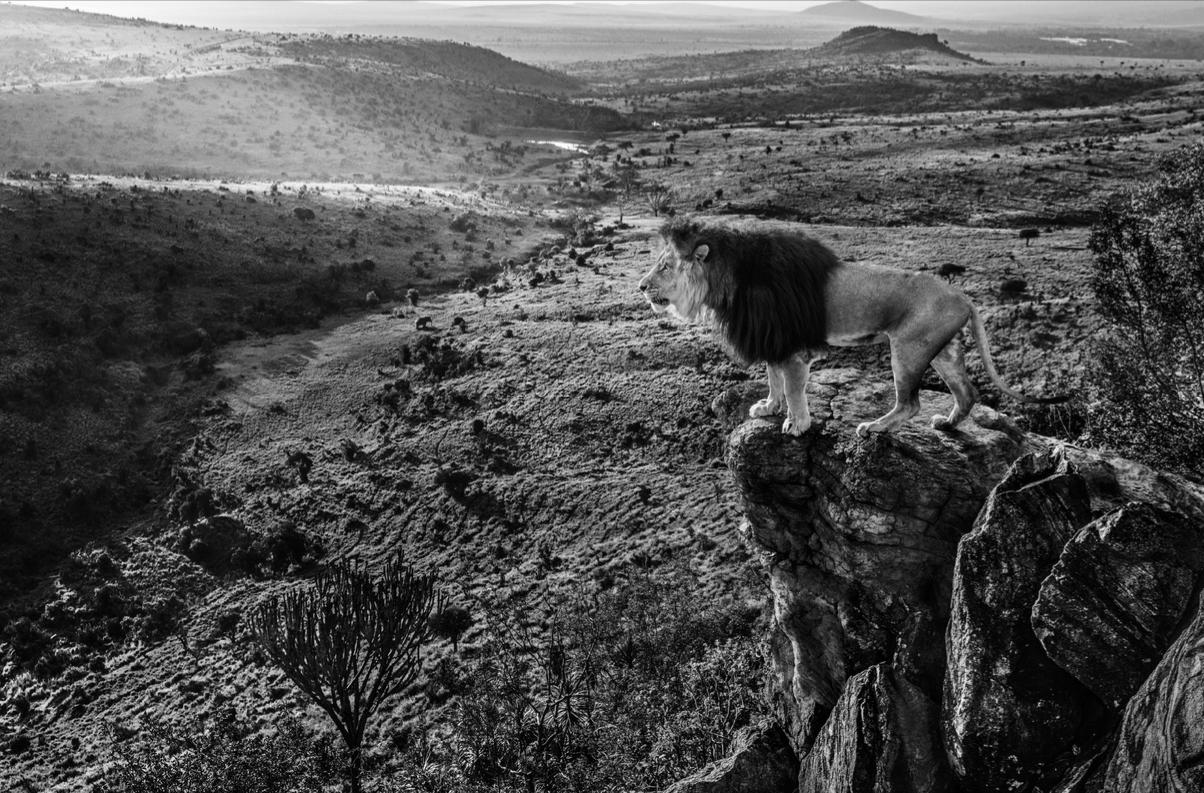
<point>857,12</point>
<point>871,40</point>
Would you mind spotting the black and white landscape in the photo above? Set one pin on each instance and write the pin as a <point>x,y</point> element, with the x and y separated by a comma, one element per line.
<point>340,450</point>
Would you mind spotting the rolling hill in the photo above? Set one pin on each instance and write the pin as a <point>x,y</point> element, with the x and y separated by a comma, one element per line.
<point>866,55</point>
<point>871,41</point>
<point>87,92</point>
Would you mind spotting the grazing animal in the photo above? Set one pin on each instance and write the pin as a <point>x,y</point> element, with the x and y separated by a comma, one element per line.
<point>779,297</point>
<point>303,213</point>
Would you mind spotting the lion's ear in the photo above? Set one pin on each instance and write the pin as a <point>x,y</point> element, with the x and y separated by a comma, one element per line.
<point>701,253</point>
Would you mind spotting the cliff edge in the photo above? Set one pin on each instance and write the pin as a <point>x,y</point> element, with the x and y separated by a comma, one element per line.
<point>986,610</point>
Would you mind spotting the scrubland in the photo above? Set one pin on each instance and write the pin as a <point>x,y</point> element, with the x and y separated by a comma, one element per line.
<point>327,299</point>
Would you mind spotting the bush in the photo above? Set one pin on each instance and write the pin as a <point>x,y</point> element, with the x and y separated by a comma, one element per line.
<point>163,617</point>
<point>450,623</point>
<point>225,755</point>
<point>629,689</point>
<point>1149,282</point>
<point>444,358</point>
<point>660,199</point>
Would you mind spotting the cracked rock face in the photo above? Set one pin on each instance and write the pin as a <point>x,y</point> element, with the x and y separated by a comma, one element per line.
<point>1160,746</point>
<point>860,537</point>
<point>1114,600</point>
<point>1010,712</point>
<point>882,735</point>
<point>764,763</point>
<point>982,610</point>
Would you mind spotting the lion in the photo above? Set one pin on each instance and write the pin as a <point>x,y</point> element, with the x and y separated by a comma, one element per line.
<point>779,297</point>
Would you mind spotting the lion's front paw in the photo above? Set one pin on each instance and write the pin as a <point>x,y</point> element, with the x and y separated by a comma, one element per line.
<point>765,407</point>
<point>794,426</point>
<point>866,427</point>
<point>943,424</point>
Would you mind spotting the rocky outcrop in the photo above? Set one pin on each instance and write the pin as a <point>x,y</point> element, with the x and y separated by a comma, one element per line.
<point>970,610</point>
<point>1011,715</point>
<point>881,735</point>
<point>1118,593</point>
<point>1160,746</point>
<point>764,763</point>
<point>860,537</point>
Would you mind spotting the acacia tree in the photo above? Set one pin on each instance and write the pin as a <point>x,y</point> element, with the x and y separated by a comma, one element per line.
<point>1149,283</point>
<point>349,642</point>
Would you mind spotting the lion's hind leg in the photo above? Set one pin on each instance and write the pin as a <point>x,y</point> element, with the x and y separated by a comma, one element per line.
<point>772,404</point>
<point>950,364</point>
<point>909,358</point>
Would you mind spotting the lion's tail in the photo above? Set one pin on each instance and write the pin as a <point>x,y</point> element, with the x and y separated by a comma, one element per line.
<point>984,350</point>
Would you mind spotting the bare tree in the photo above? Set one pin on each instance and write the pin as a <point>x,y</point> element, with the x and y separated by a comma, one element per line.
<point>349,642</point>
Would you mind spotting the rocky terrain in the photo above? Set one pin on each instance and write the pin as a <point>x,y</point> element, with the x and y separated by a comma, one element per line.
<point>982,611</point>
<point>372,331</point>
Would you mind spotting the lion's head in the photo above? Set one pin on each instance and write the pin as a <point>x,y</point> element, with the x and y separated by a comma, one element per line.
<point>676,283</point>
<point>761,283</point>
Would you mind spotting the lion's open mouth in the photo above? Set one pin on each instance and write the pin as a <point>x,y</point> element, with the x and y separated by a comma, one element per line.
<point>659,304</point>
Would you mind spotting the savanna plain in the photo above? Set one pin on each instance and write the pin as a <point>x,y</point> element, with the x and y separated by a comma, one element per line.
<point>270,302</point>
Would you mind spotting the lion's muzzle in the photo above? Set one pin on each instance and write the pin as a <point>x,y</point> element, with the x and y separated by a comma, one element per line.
<point>657,302</point>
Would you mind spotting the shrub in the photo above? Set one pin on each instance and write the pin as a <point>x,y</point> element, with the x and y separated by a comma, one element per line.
<point>660,199</point>
<point>224,755</point>
<point>285,546</point>
<point>629,689</point>
<point>442,358</point>
<point>164,617</point>
<point>1148,280</point>
<point>451,623</point>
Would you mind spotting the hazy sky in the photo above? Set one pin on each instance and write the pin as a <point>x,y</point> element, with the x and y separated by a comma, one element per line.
<point>169,11</point>
<point>218,12</point>
<point>259,14</point>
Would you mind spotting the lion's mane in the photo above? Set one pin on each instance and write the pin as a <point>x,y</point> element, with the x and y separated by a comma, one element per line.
<point>764,284</point>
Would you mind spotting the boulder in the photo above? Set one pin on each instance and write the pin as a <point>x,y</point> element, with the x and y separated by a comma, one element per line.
<point>1160,745</point>
<point>764,763</point>
<point>883,735</point>
<point>1112,603</point>
<point>1011,715</point>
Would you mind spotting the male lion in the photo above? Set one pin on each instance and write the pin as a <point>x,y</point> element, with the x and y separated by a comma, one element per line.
<point>778,296</point>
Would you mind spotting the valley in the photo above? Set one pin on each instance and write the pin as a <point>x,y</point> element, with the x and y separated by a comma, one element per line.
<point>343,296</point>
